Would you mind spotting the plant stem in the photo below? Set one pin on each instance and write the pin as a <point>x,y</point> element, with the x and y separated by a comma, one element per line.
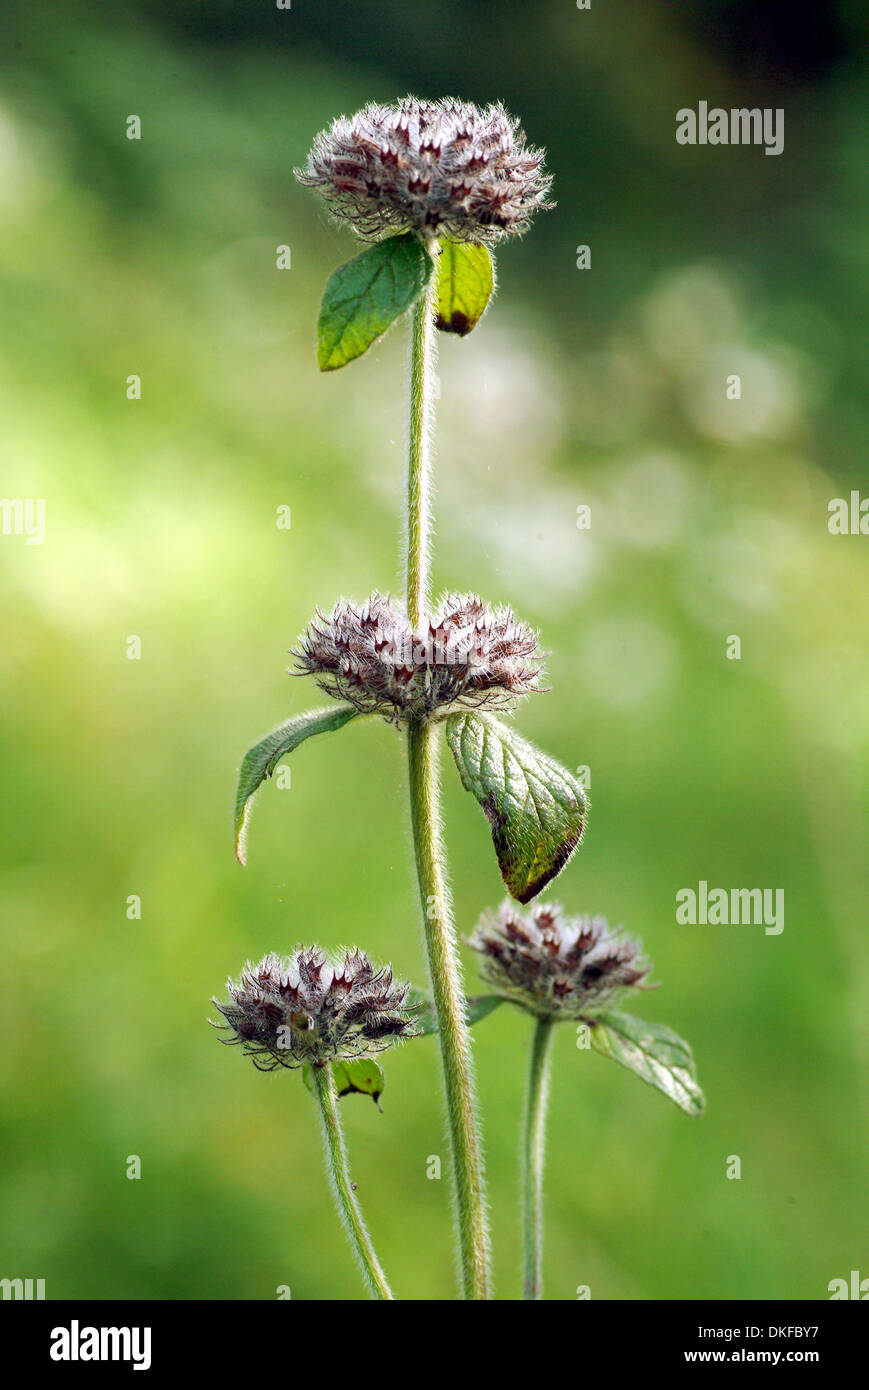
<point>446,985</point>
<point>348,1207</point>
<point>423,356</point>
<point>437,910</point>
<point>533,1146</point>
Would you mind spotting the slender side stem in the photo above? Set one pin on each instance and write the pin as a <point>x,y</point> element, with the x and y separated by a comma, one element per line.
<point>533,1146</point>
<point>437,910</point>
<point>348,1207</point>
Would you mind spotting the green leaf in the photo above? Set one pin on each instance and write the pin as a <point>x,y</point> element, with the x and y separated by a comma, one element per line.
<point>657,1055</point>
<point>366,295</point>
<point>481,1005</point>
<point>477,1006</point>
<point>261,760</point>
<point>536,808</point>
<point>466,278</point>
<point>363,1076</point>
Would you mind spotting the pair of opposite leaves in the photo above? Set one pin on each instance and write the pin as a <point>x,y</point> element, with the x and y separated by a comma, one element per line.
<point>365,296</point>
<point>536,808</point>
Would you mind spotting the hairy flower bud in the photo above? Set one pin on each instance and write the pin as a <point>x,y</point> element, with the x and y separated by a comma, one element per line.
<point>552,965</point>
<point>310,1010</point>
<point>431,167</point>
<point>467,656</point>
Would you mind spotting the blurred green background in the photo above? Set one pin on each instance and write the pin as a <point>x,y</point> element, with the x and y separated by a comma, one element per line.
<point>604,387</point>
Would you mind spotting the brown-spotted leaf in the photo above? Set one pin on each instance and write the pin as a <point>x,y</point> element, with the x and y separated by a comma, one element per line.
<point>357,1076</point>
<point>536,808</point>
<point>465,280</point>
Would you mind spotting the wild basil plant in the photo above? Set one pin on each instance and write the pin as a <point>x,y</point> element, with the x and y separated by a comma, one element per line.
<point>434,187</point>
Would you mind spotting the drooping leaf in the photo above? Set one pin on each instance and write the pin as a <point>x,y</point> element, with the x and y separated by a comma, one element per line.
<point>363,297</point>
<point>466,278</point>
<point>362,1076</point>
<point>536,808</point>
<point>261,760</point>
<point>657,1055</point>
<point>477,1006</point>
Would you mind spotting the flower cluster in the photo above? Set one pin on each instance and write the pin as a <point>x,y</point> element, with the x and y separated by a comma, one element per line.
<point>308,1010</point>
<point>555,966</point>
<point>432,167</point>
<point>468,655</point>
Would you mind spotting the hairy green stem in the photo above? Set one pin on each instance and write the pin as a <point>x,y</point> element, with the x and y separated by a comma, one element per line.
<point>453,1033</point>
<point>533,1147</point>
<point>423,357</point>
<point>437,910</point>
<point>348,1207</point>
